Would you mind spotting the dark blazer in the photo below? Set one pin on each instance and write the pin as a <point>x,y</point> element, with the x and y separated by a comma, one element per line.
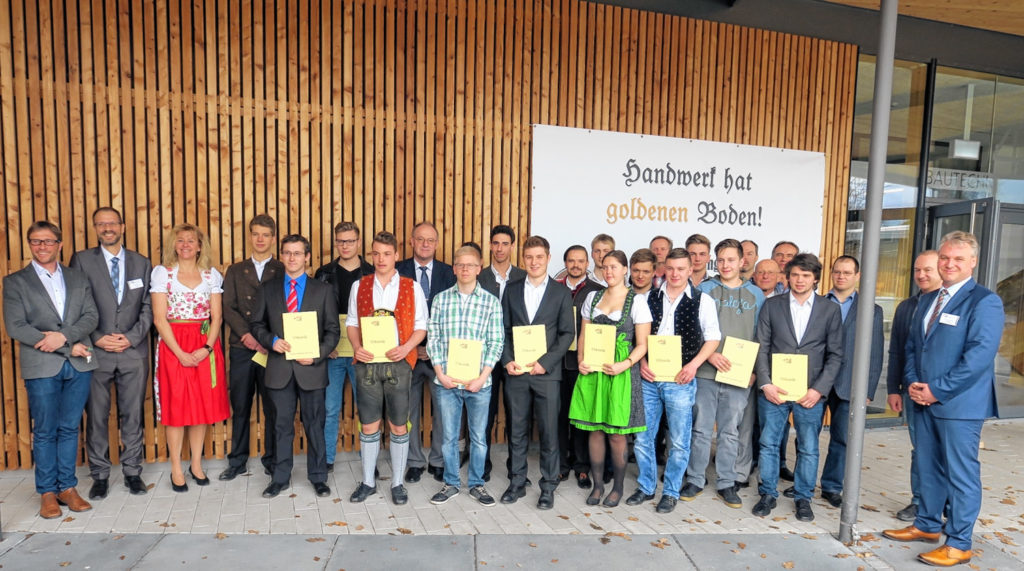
<point>555,313</point>
<point>28,311</point>
<point>898,345</point>
<point>133,316</point>
<point>442,276</point>
<point>822,341</point>
<point>571,361</point>
<point>266,324</point>
<point>241,286</point>
<point>958,361</point>
<point>844,379</point>
<point>488,282</point>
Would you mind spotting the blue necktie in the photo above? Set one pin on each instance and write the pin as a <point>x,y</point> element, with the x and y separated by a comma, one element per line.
<point>424,282</point>
<point>115,277</point>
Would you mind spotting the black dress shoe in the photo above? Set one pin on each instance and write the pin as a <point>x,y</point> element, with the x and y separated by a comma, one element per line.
<point>512,494</point>
<point>563,476</point>
<point>399,495</point>
<point>666,504</point>
<point>199,481</point>
<point>135,485</point>
<point>638,498</point>
<point>764,506</point>
<point>437,472</point>
<point>179,488</point>
<point>99,488</point>
<point>231,473</point>
<point>834,499</point>
<point>803,510</point>
<point>583,480</point>
<point>361,493</point>
<point>330,467</point>
<point>412,475</point>
<point>743,484</point>
<point>274,489</point>
<point>789,492</point>
<point>786,474</point>
<point>547,500</point>
<point>322,489</point>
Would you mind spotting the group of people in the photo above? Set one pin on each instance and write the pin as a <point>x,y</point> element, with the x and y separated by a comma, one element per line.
<point>468,333</point>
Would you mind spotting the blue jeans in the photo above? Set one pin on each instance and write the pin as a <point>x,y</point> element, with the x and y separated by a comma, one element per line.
<point>56,405</point>
<point>478,405</point>
<point>677,402</point>
<point>835,461</point>
<point>908,415</point>
<point>807,422</point>
<point>337,371</point>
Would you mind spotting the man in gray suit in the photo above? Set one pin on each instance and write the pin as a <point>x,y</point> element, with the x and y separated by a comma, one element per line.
<point>120,288</point>
<point>799,322</point>
<point>298,381</point>
<point>49,310</point>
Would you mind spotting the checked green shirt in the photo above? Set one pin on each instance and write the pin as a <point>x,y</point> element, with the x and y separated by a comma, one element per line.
<point>476,316</point>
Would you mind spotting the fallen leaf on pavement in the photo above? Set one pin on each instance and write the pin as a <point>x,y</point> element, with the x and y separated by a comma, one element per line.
<point>405,531</point>
<point>787,565</point>
<point>315,539</point>
<point>869,508</point>
<point>221,535</point>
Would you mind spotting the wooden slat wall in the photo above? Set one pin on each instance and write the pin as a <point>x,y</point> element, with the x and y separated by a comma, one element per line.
<point>384,112</point>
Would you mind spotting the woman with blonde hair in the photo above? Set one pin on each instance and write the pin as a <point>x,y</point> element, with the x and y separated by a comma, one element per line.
<point>191,387</point>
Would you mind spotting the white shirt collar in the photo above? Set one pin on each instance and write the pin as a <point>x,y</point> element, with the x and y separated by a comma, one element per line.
<point>107,256</point>
<point>951,290</point>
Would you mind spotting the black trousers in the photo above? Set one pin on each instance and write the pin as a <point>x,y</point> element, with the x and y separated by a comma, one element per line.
<point>545,396</point>
<point>246,380</point>
<point>574,453</point>
<point>313,412</point>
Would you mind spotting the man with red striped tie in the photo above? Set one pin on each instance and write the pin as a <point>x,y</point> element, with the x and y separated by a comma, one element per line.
<point>296,379</point>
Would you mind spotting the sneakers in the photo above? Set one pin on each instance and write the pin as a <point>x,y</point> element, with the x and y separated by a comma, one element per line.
<point>447,492</point>
<point>689,492</point>
<point>480,494</point>
<point>730,497</point>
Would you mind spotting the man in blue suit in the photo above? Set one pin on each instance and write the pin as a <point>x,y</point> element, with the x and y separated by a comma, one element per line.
<point>433,276</point>
<point>950,371</point>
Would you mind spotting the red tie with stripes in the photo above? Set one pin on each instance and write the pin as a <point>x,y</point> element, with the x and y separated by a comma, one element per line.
<point>293,298</point>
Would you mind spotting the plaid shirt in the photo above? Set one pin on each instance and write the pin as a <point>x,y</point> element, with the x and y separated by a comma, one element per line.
<point>476,317</point>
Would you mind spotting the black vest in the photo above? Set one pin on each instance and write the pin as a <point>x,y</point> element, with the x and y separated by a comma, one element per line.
<point>687,320</point>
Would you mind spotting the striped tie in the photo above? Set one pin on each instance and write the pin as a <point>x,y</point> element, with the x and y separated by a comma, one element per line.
<point>293,298</point>
<point>935,312</point>
<point>115,277</point>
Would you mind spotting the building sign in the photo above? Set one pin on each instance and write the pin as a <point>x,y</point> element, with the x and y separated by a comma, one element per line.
<point>635,187</point>
<point>961,181</point>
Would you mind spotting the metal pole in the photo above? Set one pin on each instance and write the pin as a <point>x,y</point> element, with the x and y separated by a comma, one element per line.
<point>869,266</point>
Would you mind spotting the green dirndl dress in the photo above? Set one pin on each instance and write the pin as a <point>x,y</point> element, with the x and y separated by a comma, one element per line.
<point>611,404</point>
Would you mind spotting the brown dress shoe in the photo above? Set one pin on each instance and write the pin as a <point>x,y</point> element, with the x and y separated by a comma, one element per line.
<point>911,533</point>
<point>48,507</point>
<point>945,556</point>
<point>73,501</point>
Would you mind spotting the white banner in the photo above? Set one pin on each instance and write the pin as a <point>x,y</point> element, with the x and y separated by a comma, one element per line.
<point>635,187</point>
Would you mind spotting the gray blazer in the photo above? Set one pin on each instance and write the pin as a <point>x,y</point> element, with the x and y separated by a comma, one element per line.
<point>822,341</point>
<point>133,317</point>
<point>28,312</point>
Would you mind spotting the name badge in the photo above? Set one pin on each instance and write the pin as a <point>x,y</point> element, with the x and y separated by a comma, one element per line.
<point>135,284</point>
<point>949,319</point>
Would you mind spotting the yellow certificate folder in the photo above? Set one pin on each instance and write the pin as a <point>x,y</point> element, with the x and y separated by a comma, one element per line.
<point>344,347</point>
<point>599,346</point>
<point>301,331</point>
<point>464,356</point>
<point>380,335</point>
<point>789,373</point>
<point>741,355</point>
<point>260,359</point>
<point>665,356</point>
<point>529,343</point>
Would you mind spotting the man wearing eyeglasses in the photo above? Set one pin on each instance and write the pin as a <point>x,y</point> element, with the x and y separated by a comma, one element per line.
<point>49,310</point>
<point>241,284</point>
<point>341,273</point>
<point>120,287</point>
<point>433,276</point>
